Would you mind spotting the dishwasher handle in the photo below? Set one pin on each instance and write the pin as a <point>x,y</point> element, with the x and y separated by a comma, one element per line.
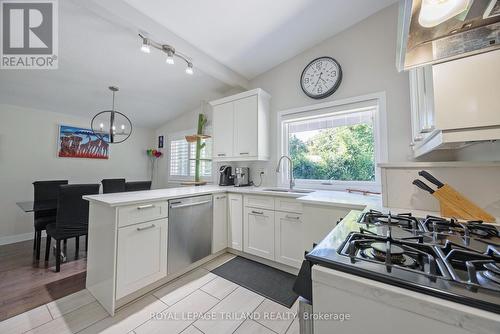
<point>188,204</point>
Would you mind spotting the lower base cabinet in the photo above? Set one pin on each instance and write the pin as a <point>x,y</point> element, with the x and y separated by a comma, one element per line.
<point>220,231</point>
<point>289,238</point>
<point>258,232</point>
<point>141,256</point>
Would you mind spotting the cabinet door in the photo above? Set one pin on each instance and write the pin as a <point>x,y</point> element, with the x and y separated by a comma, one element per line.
<point>223,130</point>
<point>421,102</point>
<point>219,235</point>
<point>141,257</point>
<point>289,238</point>
<point>259,232</point>
<point>245,127</point>
<point>235,226</point>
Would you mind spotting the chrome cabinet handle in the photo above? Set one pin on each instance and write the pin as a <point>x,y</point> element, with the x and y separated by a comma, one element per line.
<point>221,154</point>
<point>244,153</point>
<point>220,197</point>
<point>292,217</point>
<point>148,206</point>
<point>145,228</point>
<point>257,212</point>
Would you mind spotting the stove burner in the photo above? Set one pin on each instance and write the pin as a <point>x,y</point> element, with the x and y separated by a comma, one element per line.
<point>404,220</point>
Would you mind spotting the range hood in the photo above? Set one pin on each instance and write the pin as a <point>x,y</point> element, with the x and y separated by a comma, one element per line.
<point>436,31</point>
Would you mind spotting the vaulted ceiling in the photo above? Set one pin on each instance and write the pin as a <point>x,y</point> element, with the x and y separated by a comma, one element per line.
<point>230,42</point>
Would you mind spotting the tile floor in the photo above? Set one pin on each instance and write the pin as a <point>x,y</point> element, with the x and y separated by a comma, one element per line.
<point>198,302</point>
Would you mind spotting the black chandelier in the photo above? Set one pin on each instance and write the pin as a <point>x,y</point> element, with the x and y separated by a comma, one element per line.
<point>111,126</point>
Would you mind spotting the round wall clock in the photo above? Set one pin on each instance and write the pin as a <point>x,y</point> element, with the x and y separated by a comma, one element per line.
<point>321,77</point>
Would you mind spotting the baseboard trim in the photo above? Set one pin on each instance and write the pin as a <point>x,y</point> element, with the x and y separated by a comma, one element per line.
<point>12,239</point>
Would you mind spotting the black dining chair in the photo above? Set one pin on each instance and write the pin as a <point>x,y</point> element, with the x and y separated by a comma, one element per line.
<point>138,185</point>
<point>44,191</point>
<point>113,186</point>
<point>72,219</point>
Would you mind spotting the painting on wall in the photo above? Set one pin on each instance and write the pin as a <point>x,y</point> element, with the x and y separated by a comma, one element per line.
<point>74,142</point>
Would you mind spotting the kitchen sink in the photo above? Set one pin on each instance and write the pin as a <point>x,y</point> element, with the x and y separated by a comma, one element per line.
<point>287,190</point>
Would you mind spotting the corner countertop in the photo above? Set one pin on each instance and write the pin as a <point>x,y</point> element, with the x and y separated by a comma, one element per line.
<point>319,197</point>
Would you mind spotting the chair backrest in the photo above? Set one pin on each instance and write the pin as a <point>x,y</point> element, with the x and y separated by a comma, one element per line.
<point>46,191</point>
<point>72,209</point>
<point>137,185</point>
<point>113,186</point>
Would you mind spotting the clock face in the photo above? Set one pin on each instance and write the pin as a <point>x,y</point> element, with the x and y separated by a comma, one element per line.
<point>321,77</point>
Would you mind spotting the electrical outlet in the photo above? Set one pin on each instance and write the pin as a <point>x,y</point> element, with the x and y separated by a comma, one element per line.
<point>261,171</point>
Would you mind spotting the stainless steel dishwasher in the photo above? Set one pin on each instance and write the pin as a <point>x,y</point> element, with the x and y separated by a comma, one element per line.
<point>189,231</point>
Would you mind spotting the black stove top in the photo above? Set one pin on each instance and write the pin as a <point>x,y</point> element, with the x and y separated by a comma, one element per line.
<point>458,261</point>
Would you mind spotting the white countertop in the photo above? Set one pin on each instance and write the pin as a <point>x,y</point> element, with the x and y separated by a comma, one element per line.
<point>319,197</point>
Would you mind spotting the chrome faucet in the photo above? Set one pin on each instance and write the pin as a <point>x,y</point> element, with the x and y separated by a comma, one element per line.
<point>292,182</point>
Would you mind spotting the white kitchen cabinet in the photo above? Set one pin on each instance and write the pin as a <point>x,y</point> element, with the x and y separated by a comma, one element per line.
<point>223,130</point>
<point>141,256</point>
<point>258,231</point>
<point>220,231</point>
<point>241,127</point>
<point>455,104</point>
<point>235,221</point>
<point>289,238</point>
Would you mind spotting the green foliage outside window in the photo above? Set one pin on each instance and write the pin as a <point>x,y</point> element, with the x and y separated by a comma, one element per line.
<point>343,153</point>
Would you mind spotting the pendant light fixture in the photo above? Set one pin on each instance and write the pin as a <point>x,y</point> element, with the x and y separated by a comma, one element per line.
<point>169,50</point>
<point>111,126</point>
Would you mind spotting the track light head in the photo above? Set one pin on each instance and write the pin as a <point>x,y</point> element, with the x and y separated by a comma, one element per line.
<point>189,68</point>
<point>145,47</point>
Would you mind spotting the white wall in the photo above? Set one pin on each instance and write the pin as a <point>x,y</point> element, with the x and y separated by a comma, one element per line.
<point>367,53</point>
<point>28,152</point>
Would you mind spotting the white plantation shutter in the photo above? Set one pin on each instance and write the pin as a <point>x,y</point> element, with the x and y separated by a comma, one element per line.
<point>181,154</point>
<point>179,157</point>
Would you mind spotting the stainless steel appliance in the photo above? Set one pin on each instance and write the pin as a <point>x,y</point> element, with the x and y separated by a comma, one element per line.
<point>445,258</point>
<point>242,178</point>
<point>432,31</point>
<point>226,178</point>
<point>189,231</point>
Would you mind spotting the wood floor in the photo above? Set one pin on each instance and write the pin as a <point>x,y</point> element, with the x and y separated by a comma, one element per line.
<point>26,283</point>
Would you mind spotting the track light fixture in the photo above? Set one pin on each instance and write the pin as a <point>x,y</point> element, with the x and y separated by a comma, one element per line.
<point>169,50</point>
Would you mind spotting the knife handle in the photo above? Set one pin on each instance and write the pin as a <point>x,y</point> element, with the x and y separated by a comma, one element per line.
<point>430,178</point>
<point>423,186</point>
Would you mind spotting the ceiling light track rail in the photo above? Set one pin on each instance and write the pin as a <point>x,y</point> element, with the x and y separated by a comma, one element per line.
<point>169,50</point>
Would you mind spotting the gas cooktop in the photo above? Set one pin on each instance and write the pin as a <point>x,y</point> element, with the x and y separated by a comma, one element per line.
<point>447,258</point>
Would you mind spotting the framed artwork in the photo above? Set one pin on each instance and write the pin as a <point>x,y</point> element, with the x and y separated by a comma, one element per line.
<point>74,142</point>
<point>160,141</point>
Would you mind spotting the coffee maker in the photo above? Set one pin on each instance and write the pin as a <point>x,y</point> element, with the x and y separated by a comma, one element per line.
<point>242,178</point>
<point>225,178</point>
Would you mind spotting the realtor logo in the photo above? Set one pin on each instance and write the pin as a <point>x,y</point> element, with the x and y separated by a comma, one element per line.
<point>28,34</point>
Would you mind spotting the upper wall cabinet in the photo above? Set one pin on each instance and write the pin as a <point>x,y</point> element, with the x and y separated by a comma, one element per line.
<point>241,127</point>
<point>455,104</point>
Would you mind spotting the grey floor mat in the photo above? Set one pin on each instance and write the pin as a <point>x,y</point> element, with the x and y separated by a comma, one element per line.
<point>269,282</point>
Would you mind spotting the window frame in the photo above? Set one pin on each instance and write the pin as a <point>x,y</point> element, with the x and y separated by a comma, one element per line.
<point>377,101</point>
<point>178,178</point>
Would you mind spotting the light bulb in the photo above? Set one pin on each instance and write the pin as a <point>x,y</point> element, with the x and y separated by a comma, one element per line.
<point>189,69</point>
<point>123,126</point>
<point>170,59</point>
<point>113,127</point>
<point>101,126</point>
<point>435,12</point>
<point>145,46</point>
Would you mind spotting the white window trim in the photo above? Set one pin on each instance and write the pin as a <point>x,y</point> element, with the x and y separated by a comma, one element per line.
<point>380,134</point>
<point>176,136</point>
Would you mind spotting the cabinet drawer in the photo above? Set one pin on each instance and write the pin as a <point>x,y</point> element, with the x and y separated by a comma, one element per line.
<point>288,205</point>
<point>263,202</point>
<point>139,213</point>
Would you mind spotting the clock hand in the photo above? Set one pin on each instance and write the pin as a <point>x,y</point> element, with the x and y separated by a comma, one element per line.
<point>317,82</point>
